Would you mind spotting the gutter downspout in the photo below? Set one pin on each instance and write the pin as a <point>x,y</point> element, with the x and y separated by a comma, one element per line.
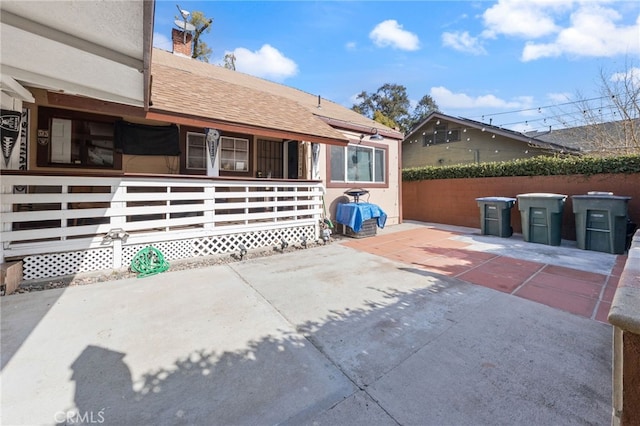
<point>147,30</point>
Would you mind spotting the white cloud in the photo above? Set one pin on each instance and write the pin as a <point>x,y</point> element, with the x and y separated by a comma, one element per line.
<point>526,19</point>
<point>268,62</point>
<point>445,98</point>
<point>463,42</point>
<point>350,45</point>
<point>593,32</point>
<point>632,76</point>
<point>558,98</point>
<point>162,42</point>
<point>390,33</point>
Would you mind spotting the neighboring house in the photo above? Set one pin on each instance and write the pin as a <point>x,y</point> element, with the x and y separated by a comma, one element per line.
<point>610,138</point>
<point>119,146</point>
<point>442,140</point>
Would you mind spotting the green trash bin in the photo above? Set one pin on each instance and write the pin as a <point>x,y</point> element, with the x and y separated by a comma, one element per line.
<point>541,216</point>
<point>601,222</point>
<point>495,215</point>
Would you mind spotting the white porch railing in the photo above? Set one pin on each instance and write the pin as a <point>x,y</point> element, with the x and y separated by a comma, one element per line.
<point>61,225</point>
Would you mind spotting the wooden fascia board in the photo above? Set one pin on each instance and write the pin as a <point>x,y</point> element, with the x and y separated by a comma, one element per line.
<point>334,122</point>
<point>242,128</point>
<point>93,105</point>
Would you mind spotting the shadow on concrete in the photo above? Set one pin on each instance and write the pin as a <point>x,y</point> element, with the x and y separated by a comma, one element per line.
<point>522,377</point>
<point>20,316</point>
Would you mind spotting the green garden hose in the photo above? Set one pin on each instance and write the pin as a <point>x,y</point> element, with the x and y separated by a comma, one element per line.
<point>149,261</point>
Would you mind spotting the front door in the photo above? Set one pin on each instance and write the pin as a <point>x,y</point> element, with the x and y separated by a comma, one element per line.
<point>270,159</point>
<point>292,160</point>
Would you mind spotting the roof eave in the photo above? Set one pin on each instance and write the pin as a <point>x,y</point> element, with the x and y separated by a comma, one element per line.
<point>206,122</point>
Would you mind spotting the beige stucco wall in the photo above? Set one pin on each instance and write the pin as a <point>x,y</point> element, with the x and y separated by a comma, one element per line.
<point>387,198</point>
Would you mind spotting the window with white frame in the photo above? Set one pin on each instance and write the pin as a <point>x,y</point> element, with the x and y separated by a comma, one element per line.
<point>357,163</point>
<point>196,151</point>
<point>234,154</point>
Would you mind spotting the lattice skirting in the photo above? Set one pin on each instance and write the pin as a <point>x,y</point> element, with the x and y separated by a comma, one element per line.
<point>69,263</point>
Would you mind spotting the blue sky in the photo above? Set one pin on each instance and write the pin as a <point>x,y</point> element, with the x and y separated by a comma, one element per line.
<point>516,63</point>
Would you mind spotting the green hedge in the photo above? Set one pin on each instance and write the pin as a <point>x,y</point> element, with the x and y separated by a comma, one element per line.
<point>536,166</point>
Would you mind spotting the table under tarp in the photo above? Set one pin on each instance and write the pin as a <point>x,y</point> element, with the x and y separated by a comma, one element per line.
<point>353,215</point>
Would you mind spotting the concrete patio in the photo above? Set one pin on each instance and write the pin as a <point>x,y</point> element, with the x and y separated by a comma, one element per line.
<point>323,336</point>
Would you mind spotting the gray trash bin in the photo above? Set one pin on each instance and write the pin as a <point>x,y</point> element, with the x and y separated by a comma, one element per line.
<point>495,215</point>
<point>601,222</point>
<point>541,215</point>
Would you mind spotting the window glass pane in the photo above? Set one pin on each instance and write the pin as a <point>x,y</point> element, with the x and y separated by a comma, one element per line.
<point>196,151</point>
<point>337,163</point>
<point>99,156</point>
<point>440,135</point>
<point>380,165</point>
<point>234,154</point>
<point>359,164</point>
<point>352,160</point>
<point>81,142</point>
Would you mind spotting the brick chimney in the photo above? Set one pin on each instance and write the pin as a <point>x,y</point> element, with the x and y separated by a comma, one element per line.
<point>179,47</point>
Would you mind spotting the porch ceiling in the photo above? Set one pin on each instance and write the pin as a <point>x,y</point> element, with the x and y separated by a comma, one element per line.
<point>93,49</point>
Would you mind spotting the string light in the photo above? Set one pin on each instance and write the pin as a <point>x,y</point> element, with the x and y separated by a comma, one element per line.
<point>546,106</point>
<point>606,110</point>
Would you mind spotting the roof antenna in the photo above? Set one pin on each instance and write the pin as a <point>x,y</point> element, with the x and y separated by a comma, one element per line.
<point>319,106</point>
<point>184,25</point>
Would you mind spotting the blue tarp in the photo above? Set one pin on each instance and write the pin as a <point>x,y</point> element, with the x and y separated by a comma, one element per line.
<point>354,214</point>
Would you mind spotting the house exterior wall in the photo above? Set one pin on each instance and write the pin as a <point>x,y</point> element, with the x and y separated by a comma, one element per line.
<point>475,146</point>
<point>453,201</point>
<point>130,163</point>
<point>386,195</point>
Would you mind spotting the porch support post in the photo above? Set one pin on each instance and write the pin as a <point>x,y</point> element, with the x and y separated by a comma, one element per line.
<point>5,207</point>
<point>117,254</point>
<point>209,207</point>
<point>118,222</point>
<point>212,142</point>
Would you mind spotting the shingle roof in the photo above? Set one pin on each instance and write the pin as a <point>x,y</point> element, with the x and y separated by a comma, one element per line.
<point>535,139</point>
<point>190,87</point>
<point>593,137</point>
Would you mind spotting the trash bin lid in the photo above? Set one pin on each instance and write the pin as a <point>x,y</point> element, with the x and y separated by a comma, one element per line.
<point>601,196</point>
<point>497,199</point>
<point>542,195</point>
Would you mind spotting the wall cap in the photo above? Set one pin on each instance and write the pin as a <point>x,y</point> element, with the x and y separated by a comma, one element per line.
<point>625,307</point>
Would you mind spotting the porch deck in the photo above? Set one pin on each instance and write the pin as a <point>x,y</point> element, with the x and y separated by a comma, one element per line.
<point>59,224</point>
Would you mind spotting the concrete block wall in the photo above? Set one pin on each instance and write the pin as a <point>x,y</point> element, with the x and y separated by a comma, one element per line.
<point>452,201</point>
